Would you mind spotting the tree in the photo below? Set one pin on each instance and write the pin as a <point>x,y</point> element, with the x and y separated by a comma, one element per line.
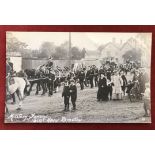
<point>60,53</point>
<point>75,53</point>
<point>133,55</point>
<point>14,45</point>
<point>46,49</point>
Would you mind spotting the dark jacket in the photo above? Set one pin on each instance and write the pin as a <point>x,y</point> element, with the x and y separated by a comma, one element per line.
<point>51,76</point>
<point>102,89</point>
<point>11,65</point>
<point>8,68</point>
<point>101,71</point>
<point>124,80</point>
<point>102,82</point>
<point>73,92</point>
<point>91,74</point>
<point>66,92</point>
<point>87,74</point>
<point>81,75</point>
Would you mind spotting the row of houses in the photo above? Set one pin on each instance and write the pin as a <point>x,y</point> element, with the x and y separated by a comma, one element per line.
<point>112,50</point>
<point>115,51</point>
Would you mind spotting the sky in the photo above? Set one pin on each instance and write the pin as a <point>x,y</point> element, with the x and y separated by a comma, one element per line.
<point>88,40</point>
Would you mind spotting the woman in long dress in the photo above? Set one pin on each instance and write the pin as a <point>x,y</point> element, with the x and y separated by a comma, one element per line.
<point>117,91</point>
<point>102,89</point>
<point>102,93</point>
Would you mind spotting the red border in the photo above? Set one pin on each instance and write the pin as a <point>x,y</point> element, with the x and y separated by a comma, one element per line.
<point>73,28</point>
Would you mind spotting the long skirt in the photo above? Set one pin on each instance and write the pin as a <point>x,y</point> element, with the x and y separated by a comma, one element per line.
<point>102,94</point>
<point>117,92</point>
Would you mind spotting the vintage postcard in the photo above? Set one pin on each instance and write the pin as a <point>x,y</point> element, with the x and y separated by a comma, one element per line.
<point>78,77</point>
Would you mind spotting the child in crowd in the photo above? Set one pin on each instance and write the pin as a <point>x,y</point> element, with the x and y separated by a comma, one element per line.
<point>73,93</point>
<point>66,95</point>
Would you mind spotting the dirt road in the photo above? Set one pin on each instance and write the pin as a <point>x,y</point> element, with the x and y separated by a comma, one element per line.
<point>39,109</point>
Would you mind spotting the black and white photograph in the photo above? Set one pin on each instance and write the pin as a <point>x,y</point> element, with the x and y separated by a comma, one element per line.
<point>78,77</point>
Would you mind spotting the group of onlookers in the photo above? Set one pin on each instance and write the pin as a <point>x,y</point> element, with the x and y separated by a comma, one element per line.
<point>113,82</point>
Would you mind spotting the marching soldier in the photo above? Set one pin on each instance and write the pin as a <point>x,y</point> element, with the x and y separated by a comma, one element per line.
<point>81,77</point>
<point>96,76</point>
<point>91,77</point>
<point>87,76</point>
<point>51,82</point>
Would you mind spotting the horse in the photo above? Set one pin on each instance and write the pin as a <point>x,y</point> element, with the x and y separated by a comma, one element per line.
<point>30,73</point>
<point>18,85</point>
<point>37,77</point>
<point>45,78</point>
<point>40,77</point>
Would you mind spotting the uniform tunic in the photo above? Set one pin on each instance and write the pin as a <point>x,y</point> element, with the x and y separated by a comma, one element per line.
<point>81,79</point>
<point>91,77</point>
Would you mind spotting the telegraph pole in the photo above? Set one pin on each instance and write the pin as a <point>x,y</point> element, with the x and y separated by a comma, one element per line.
<point>69,51</point>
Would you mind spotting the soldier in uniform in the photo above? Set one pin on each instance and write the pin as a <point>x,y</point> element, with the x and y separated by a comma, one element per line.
<point>87,76</point>
<point>85,80</point>
<point>50,62</point>
<point>91,77</point>
<point>50,83</point>
<point>9,72</point>
<point>96,76</point>
<point>101,70</point>
<point>81,77</point>
<point>73,93</point>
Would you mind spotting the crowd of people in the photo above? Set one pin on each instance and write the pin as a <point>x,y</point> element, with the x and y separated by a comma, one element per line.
<point>113,81</point>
